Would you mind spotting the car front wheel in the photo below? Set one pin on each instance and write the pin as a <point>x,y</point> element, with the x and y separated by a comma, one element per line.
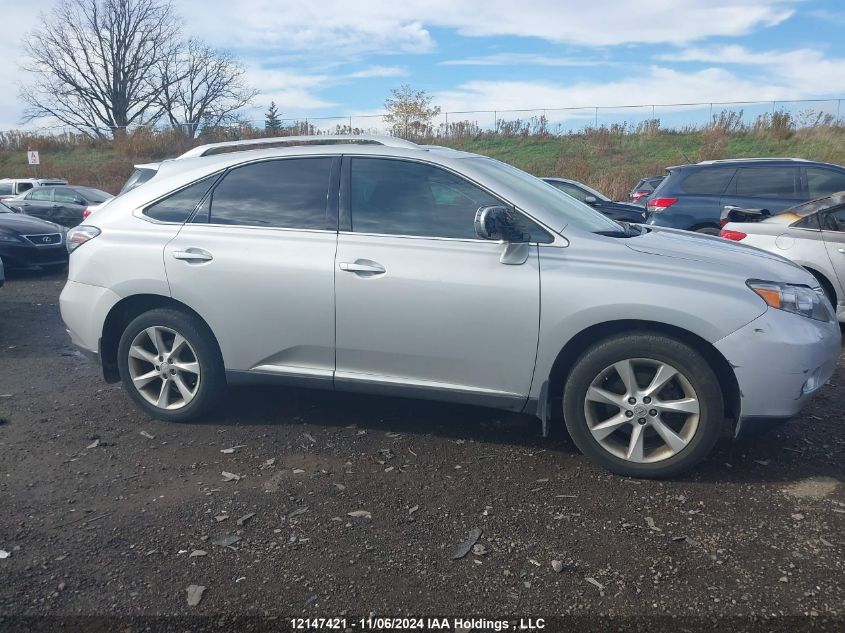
<point>170,365</point>
<point>643,405</point>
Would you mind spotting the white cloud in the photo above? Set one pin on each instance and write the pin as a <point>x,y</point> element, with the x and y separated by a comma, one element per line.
<point>806,71</point>
<point>379,71</point>
<point>333,26</point>
<point>523,59</point>
<point>656,85</point>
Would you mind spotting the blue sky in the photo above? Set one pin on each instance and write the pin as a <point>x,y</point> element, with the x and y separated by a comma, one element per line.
<point>337,57</point>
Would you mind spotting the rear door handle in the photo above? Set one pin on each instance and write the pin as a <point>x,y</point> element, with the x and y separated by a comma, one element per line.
<point>362,266</point>
<point>193,255</point>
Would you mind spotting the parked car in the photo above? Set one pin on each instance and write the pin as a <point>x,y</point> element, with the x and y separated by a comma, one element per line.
<point>644,188</point>
<point>811,234</point>
<point>12,187</point>
<point>379,266</point>
<point>692,197</point>
<point>66,205</point>
<point>26,241</point>
<point>622,211</point>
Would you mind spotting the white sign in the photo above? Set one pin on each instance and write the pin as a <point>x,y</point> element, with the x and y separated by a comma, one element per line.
<point>33,158</point>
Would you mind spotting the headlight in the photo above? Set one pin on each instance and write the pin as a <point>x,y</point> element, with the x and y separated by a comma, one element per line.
<point>8,237</point>
<point>792,298</point>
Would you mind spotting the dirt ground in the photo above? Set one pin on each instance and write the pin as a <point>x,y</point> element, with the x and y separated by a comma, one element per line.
<point>105,512</point>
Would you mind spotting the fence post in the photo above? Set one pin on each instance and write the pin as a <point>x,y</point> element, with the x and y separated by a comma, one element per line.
<point>597,117</point>
<point>350,124</point>
<point>838,105</point>
<point>446,131</point>
<point>495,122</point>
<point>710,120</point>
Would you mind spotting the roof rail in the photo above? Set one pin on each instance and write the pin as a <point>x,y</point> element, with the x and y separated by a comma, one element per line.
<point>388,141</point>
<point>743,160</point>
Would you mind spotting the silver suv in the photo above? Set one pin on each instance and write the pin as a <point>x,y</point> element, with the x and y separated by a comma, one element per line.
<point>375,265</point>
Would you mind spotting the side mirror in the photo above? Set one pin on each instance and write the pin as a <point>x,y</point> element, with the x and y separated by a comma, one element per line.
<point>500,224</point>
<point>590,199</point>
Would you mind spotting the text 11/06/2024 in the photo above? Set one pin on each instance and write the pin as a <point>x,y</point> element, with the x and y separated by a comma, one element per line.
<point>417,624</point>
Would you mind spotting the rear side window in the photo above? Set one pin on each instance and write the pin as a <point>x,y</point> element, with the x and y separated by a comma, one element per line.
<point>823,182</point>
<point>767,182</point>
<point>290,193</point>
<point>708,181</point>
<point>179,206</point>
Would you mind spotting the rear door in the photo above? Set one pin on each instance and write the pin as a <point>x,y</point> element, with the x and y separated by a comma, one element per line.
<point>772,187</point>
<point>257,263</point>
<point>39,203</point>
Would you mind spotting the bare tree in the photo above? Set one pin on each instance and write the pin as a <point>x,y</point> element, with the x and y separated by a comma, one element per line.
<point>410,113</point>
<point>94,63</point>
<point>202,87</point>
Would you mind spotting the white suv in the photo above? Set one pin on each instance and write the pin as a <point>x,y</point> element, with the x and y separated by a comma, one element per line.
<point>381,266</point>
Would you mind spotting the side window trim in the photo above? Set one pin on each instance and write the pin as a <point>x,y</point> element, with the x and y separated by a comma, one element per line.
<point>345,216</point>
<point>142,211</point>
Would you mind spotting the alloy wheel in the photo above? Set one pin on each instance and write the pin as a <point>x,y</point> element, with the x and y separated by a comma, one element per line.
<point>642,410</point>
<point>164,368</point>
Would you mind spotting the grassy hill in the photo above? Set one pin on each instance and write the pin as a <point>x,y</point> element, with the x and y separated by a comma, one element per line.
<point>610,162</point>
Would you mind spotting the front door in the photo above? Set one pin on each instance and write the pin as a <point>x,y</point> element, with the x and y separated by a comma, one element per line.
<point>257,263</point>
<point>423,305</point>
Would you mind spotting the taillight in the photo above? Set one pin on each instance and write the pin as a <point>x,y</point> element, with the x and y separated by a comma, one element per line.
<point>78,235</point>
<point>637,195</point>
<point>736,236</point>
<point>656,205</point>
<point>86,212</point>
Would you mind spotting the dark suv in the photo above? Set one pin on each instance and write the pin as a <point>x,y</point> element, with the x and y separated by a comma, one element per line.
<point>693,197</point>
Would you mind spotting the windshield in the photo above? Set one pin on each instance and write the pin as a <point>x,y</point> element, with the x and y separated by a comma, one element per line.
<point>542,195</point>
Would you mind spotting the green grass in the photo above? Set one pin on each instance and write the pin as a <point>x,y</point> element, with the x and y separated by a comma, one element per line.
<point>609,162</point>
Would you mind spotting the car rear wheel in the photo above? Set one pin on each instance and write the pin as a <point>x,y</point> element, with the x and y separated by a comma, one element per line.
<point>170,365</point>
<point>643,405</point>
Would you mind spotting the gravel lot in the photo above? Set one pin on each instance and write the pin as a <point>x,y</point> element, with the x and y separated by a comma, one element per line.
<point>107,512</point>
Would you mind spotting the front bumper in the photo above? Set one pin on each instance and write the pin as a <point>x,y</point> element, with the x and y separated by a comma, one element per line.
<point>23,255</point>
<point>780,361</point>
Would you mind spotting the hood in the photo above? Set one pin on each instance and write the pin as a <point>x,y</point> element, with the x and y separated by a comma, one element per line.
<point>25,224</point>
<point>718,254</point>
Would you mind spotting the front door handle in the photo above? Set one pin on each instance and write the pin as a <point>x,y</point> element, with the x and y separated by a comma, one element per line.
<point>362,266</point>
<point>193,255</point>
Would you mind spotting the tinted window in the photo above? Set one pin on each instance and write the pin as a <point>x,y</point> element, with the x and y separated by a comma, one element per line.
<point>24,186</point>
<point>6,189</point>
<point>823,182</point>
<point>708,181</point>
<point>138,177</point>
<point>290,193</point>
<point>808,222</point>
<point>40,193</point>
<point>66,195</point>
<point>835,220</point>
<point>179,206</point>
<point>93,195</point>
<point>395,197</point>
<point>767,182</point>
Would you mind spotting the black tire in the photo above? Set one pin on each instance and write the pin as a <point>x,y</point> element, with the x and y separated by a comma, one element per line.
<point>212,381</point>
<point>829,292</point>
<point>663,349</point>
<point>708,230</point>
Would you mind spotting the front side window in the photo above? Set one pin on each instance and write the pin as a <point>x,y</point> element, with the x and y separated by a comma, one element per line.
<point>768,182</point>
<point>179,206</point>
<point>286,193</point>
<point>571,190</point>
<point>68,196</point>
<point>396,197</point>
<point>823,182</point>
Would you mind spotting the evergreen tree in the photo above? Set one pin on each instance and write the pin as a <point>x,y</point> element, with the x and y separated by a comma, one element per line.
<point>272,122</point>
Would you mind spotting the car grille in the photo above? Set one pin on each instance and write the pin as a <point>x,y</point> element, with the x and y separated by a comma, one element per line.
<point>45,239</point>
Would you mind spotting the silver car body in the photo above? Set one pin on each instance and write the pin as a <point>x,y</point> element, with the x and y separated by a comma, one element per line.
<point>818,250</point>
<point>447,319</point>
